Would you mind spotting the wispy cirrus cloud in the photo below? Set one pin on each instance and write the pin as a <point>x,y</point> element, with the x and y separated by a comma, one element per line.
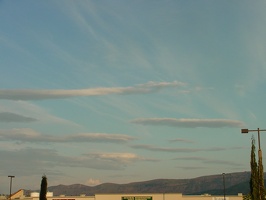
<point>190,167</point>
<point>30,135</point>
<point>181,150</point>
<point>31,94</point>
<point>174,150</point>
<point>181,140</point>
<point>33,112</point>
<point>118,157</point>
<point>51,159</point>
<point>189,123</point>
<point>209,161</point>
<point>13,117</point>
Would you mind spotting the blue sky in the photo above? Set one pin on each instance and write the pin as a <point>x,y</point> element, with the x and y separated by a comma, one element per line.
<point>124,91</point>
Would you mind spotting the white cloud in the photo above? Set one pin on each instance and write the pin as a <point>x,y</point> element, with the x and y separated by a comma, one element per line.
<point>93,182</point>
<point>30,94</point>
<point>189,123</point>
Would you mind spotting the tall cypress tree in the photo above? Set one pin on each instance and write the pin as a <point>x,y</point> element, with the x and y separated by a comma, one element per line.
<point>254,184</point>
<point>43,188</point>
<point>261,177</point>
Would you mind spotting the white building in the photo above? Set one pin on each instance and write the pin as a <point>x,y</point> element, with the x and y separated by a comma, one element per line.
<point>147,196</point>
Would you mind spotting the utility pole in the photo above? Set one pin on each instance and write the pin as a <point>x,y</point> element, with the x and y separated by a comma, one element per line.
<point>224,184</point>
<point>11,177</point>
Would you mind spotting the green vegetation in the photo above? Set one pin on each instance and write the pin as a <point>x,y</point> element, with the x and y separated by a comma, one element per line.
<point>256,183</point>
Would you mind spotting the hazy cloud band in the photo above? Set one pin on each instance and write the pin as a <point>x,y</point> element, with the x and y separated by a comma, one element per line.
<point>30,94</point>
<point>30,135</point>
<point>189,123</point>
<point>13,117</point>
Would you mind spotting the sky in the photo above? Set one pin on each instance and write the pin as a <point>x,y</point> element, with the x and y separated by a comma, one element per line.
<point>119,91</point>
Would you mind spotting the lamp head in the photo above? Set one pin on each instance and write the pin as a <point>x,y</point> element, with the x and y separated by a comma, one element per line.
<point>244,130</point>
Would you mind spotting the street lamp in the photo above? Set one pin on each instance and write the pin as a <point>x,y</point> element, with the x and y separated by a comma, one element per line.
<point>258,130</point>
<point>224,184</point>
<point>10,185</point>
<point>260,169</point>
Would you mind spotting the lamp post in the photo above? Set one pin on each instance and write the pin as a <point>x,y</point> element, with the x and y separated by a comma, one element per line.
<point>260,168</point>
<point>257,130</point>
<point>11,177</point>
<point>224,184</point>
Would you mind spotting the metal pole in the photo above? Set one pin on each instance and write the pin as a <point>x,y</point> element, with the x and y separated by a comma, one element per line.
<point>224,185</point>
<point>260,153</point>
<point>260,156</point>
<point>10,185</point>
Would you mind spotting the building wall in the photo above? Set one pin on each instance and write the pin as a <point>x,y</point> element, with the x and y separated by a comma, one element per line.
<point>72,198</point>
<point>138,196</point>
<point>199,197</point>
<point>174,196</point>
<point>17,194</point>
<point>62,198</point>
<point>148,196</point>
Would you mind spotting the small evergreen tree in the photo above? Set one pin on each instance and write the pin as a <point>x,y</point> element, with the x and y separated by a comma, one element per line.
<point>43,188</point>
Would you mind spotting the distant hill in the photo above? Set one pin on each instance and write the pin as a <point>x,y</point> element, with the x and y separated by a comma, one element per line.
<point>234,183</point>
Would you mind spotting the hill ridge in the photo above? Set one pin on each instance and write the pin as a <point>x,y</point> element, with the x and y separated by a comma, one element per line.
<point>237,182</point>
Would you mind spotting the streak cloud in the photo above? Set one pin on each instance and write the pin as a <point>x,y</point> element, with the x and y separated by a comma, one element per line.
<point>189,123</point>
<point>31,94</point>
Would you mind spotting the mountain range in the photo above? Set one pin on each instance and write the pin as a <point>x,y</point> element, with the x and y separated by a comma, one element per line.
<point>231,184</point>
